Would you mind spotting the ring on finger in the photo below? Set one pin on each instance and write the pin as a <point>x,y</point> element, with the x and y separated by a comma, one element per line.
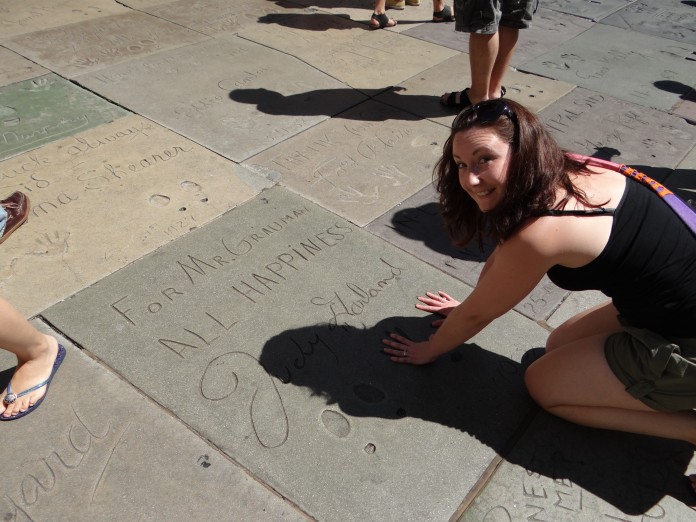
<point>404,353</point>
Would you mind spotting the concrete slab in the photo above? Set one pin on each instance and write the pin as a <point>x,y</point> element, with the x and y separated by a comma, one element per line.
<point>142,4</point>
<point>361,11</point>
<point>208,93</point>
<point>35,15</point>
<point>75,459</point>
<point>421,93</point>
<point>346,50</point>
<point>43,109</point>
<point>15,68</point>
<point>593,10</point>
<point>673,19</point>
<point>95,44</point>
<point>216,17</point>
<point>606,59</point>
<point>104,198</point>
<point>563,472</point>
<point>591,123</point>
<point>416,227</point>
<point>687,107</point>
<point>549,29</point>
<point>575,303</point>
<point>359,164</point>
<point>262,332</point>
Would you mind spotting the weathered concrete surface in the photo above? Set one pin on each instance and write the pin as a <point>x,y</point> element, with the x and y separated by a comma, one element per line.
<point>15,68</point>
<point>360,164</point>
<point>229,76</point>
<point>671,19</point>
<point>563,472</point>
<point>607,60</point>
<point>686,108</point>
<point>95,44</point>
<point>102,199</point>
<point>47,108</point>
<point>231,329</point>
<point>594,10</point>
<point>96,449</point>
<point>590,123</point>
<point>35,15</point>
<point>404,434</point>
<point>575,303</point>
<point>421,93</point>
<point>360,58</point>
<point>217,17</point>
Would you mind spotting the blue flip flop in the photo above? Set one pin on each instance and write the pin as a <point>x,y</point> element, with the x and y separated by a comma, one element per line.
<point>14,397</point>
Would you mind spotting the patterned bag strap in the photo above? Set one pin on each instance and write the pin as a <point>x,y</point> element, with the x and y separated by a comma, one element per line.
<point>684,211</point>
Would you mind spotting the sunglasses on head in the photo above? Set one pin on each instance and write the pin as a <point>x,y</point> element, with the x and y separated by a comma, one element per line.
<point>485,111</point>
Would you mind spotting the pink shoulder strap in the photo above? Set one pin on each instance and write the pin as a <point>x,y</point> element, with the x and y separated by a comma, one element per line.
<point>684,211</point>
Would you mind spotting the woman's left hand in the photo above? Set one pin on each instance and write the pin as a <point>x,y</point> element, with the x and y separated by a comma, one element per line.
<point>403,350</point>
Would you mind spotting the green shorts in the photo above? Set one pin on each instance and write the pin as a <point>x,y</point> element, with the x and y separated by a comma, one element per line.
<point>659,372</point>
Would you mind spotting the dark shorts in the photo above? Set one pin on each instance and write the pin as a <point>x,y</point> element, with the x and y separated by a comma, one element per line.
<point>484,16</point>
<point>659,372</point>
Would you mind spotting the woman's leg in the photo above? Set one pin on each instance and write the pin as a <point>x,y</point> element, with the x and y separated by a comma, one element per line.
<point>575,383</point>
<point>593,321</point>
<point>35,353</point>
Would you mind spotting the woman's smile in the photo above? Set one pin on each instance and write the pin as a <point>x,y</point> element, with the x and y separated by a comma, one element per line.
<point>482,159</point>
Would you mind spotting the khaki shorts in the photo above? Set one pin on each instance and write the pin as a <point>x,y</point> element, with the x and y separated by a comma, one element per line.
<point>484,16</point>
<point>659,372</point>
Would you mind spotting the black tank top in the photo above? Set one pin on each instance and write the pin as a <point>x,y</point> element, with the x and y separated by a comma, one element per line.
<point>648,266</point>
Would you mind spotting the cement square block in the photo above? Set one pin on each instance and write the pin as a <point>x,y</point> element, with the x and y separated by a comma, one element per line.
<point>687,107</point>
<point>35,15</point>
<point>673,19</point>
<point>564,472</point>
<point>76,459</point>
<point>421,93</point>
<point>360,164</point>
<point>216,17</point>
<point>593,10</point>
<point>95,44</point>
<point>15,68</point>
<point>549,29</point>
<point>575,303</point>
<point>209,92</point>
<point>43,109</point>
<point>358,57</point>
<point>102,199</point>
<point>592,123</point>
<point>416,227</point>
<point>649,71</point>
<point>262,331</point>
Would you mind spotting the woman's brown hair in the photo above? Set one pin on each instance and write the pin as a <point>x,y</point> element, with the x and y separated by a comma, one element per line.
<point>538,168</point>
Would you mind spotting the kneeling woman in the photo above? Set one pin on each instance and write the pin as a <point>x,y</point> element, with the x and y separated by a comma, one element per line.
<point>629,364</point>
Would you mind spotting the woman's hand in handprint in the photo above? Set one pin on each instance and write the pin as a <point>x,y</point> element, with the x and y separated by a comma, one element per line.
<point>439,303</point>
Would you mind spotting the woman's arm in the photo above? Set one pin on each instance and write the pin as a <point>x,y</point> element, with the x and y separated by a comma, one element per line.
<point>512,271</point>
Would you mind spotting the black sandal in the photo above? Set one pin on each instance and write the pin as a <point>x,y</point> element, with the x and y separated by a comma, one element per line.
<point>464,101</point>
<point>383,20</point>
<point>443,16</point>
<point>451,100</point>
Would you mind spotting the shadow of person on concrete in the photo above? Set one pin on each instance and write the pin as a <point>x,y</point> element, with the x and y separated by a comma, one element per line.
<point>481,393</point>
<point>313,21</point>
<point>424,224</point>
<point>326,100</point>
<point>673,87</point>
<point>681,181</point>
